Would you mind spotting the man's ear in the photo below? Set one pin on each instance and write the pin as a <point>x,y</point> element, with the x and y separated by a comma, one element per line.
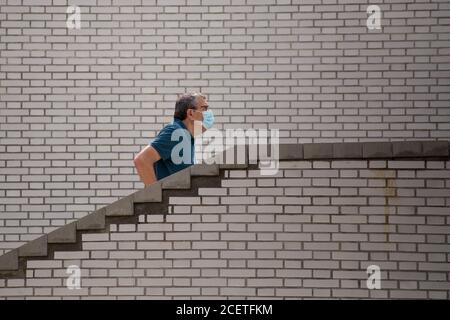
<point>188,113</point>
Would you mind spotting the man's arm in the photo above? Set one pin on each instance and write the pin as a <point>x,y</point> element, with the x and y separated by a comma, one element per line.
<point>144,161</point>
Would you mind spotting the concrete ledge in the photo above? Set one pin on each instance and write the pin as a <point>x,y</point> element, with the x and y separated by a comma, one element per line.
<point>93,221</point>
<point>347,150</point>
<point>407,148</point>
<point>364,150</point>
<point>318,150</point>
<point>377,149</point>
<point>9,261</point>
<point>435,148</point>
<point>65,234</point>
<point>35,248</point>
<point>291,151</point>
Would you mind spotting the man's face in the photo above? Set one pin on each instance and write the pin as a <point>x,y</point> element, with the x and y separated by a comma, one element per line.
<point>196,114</point>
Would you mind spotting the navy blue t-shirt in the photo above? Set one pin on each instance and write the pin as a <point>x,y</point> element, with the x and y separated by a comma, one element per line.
<point>164,144</point>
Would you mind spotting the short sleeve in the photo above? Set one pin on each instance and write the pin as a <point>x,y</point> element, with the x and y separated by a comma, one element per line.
<point>163,142</point>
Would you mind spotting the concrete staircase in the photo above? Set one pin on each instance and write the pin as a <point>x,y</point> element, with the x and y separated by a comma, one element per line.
<point>155,198</point>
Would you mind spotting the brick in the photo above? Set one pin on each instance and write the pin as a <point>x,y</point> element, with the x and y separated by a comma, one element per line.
<point>212,191</point>
<point>126,255</point>
<point>181,272</point>
<point>408,294</point>
<point>407,275</point>
<point>98,246</point>
<point>95,237</point>
<point>237,291</point>
<point>61,255</point>
<point>124,236</point>
<point>180,291</point>
<point>184,200</point>
<point>238,200</point>
<point>434,285</point>
<point>99,264</point>
<point>293,292</point>
<point>209,282</point>
<point>158,227</point>
<point>397,164</point>
<point>154,245</point>
<point>435,247</point>
<point>350,255</point>
<point>351,293</point>
<point>126,291</point>
<point>353,164</point>
<point>430,266</point>
<point>293,254</point>
<point>182,254</point>
<point>16,292</point>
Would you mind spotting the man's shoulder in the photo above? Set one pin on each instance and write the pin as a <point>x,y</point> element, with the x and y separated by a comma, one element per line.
<point>171,127</point>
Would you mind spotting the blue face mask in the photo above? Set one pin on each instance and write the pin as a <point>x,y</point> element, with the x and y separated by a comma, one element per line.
<point>208,119</point>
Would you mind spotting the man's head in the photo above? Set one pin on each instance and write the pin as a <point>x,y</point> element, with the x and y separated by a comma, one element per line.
<point>190,106</point>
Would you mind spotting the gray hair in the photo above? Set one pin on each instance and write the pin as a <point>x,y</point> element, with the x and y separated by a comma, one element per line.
<point>184,102</point>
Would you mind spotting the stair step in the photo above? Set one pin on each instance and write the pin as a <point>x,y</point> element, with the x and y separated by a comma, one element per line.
<point>35,248</point>
<point>122,207</point>
<point>178,180</point>
<point>65,234</point>
<point>93,221</point>
<point>151,193</point>
<point>9,261</point>
<point>13,264</point>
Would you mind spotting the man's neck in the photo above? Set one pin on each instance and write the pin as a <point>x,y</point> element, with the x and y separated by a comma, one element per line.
<point>189,126</point>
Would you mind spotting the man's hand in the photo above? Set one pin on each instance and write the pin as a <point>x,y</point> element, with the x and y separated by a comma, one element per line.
<point>144,161</point>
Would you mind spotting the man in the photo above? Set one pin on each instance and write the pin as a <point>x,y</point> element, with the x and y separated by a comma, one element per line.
<point>157,160</point>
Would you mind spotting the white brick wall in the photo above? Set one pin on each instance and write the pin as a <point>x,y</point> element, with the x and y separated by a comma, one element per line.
<point>77,105</point>
<point>317,251</point>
